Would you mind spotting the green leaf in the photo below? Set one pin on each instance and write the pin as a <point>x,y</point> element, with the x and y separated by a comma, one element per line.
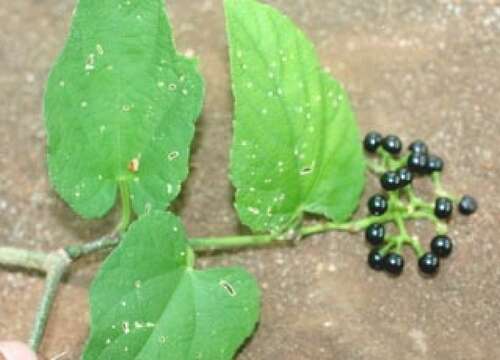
<point>147,302</point>
<point>296,144</point>
<point>120,107</point>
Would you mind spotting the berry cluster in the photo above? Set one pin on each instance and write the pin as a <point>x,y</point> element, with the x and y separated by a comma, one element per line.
<point>398,203</point>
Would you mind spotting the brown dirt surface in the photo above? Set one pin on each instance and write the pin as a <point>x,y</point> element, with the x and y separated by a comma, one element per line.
<point>418,68</point>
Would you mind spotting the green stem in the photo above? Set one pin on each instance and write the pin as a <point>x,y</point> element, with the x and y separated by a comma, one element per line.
<point>231,242</point>
<point>126,207</point>
<point>441,228</point>
<point>386,158</point>
<point>390,163</point>
<point>439,189</point>
<point>403,233</point>
<point>23,258</point>
<point>438,186</point>
<point>417,203</point>
<point>220,243</point>
<point>386,248</point>
<point>416,246</point>
<point>395,203</point>
<point>56,265</point>
<point>404,237</point>
<point>375,167</point>
<point>77,251</point>
<point>353,226</point>
<point>401,225</point>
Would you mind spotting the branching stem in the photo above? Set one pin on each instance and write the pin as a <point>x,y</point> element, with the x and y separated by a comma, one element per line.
<point>27,259</point>
<point>126,207</point>
<point>55,264</point>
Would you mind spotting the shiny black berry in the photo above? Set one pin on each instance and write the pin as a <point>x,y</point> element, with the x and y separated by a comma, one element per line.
<point>434,164</point>
<point>405,176</point>
<point>372,141</point>
<point>390,180</point>
<point>374,234</point>
<point>443,207</point>
<point>429,263</point>
<point>418,147</point>
<point>394,263</point>
<point>441,245</point>
<point>392,144</point>
<point>417,162</point>
<point>377,204</point>
<point>375,260</point>
<point>467,205</point>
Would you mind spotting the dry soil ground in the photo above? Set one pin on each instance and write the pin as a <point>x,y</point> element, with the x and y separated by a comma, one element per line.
<point>419,68</point>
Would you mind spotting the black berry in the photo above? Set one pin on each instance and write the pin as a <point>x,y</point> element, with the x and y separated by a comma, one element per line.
<point>394,263</point>
<point>377,204</point>
<point>441,245</point>
<point>392,144</point>
<point>374,234</point>
<point>390,181</point>
<point>417,162</point>
<point>418,147</point>
<point>372,141</point>
<point>429,263</point>
<point>375,260</point>
<point>467,205</point>
<point>405,176</point>
<point>443,207</point>
<point>435,164</point>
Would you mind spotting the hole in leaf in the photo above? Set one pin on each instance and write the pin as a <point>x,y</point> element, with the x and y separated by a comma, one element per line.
<point>306,171</point>
<point>228,287</point>
<point>173,155</point>
<point>126,327</point>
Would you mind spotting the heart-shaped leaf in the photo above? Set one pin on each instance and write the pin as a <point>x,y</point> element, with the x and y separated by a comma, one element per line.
<point>147,302</point>
<point>120,108</point>
<point>296,144</point>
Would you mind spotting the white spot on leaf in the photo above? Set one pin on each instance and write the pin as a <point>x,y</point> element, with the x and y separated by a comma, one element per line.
<point>90,62</point>
<point>99,49</point>
<point>254,211</point>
